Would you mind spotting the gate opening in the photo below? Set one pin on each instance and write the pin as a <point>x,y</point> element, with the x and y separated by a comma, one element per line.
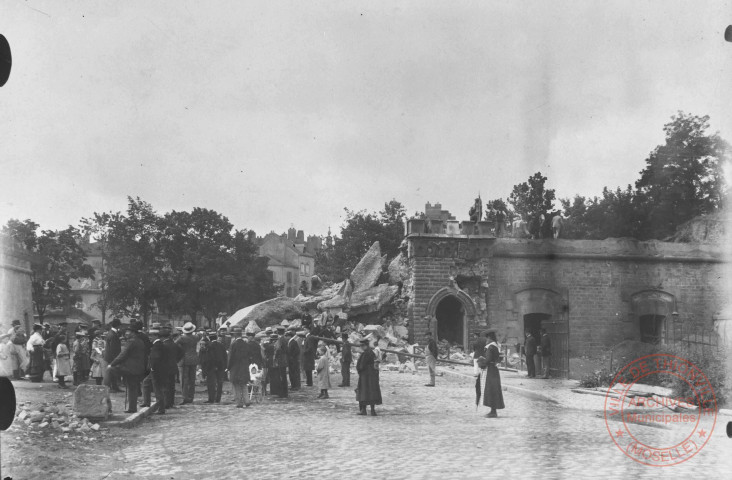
<point>532,323</point>
<point>651,328</point>
<point>450,316</point>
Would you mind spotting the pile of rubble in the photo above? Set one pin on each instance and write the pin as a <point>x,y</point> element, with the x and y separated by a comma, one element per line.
<point>54,418</point>
<point>358,298</point>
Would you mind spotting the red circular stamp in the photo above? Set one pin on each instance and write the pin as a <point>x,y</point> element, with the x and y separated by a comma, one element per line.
<point>657,430</point>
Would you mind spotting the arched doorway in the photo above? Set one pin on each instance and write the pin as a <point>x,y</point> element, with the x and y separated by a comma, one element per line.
<point>539,308</point>
<point>450,316</point>
<point>654,310</point>
<point>454,312</point>
<point>533,321</point>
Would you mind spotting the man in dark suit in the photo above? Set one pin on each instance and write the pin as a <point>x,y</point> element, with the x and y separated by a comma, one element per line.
<point>293,360</point>
<point>238,367</point>
<point>159,369</point>
<point>112,348</point>
<point>530,351</point>
<point>254,350</point>
<point>130,363</point>
<point>546,351</point>
<point>174,355</point>
<point>346,360</point>
<point>281,363</point>
<point>309,348</point>
<point>213,362</point>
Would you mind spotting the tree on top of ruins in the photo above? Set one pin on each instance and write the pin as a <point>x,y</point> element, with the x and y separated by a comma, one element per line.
<point>683,178</point>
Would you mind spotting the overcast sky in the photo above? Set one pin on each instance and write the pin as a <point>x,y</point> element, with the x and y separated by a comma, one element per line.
<point>280,113</point>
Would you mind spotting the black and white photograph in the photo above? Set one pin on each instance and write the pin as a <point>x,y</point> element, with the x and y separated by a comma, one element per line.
<point>395,240</point>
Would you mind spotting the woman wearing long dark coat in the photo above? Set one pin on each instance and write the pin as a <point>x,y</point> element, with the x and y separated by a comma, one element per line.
<point>493,394</point>
<point>369,392</point>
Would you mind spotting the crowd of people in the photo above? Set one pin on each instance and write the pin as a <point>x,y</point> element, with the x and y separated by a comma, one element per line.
<point>274,360</point>
<point>154,361</point>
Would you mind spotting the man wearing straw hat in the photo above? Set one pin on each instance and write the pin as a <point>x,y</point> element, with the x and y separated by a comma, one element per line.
<point>188,342</point>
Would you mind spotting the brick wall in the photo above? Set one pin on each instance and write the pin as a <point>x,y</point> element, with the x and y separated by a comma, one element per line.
<point>590,283</point>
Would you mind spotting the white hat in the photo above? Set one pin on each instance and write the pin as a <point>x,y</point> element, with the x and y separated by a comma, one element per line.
<point>189,328</point>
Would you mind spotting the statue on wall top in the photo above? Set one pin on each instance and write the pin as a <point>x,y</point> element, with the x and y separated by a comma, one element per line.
<point>476,211</point>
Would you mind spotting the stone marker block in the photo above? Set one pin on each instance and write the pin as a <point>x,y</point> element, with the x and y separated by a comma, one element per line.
<point>92,401</point>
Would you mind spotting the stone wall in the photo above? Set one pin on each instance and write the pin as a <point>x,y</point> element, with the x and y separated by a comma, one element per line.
<point>594,291</point>
<point>16,298</point>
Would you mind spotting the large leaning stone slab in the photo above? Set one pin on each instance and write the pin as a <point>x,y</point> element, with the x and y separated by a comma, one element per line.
<point>368,270</point>
<point>92,401</point>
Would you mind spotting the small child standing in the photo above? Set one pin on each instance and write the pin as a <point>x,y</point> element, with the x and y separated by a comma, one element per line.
<point>323,369</point>
<point>63,361</point>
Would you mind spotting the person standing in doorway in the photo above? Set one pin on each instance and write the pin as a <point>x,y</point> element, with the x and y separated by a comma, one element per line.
<point>546,351</point>
<point>431,358</point>
<point>530,351</point>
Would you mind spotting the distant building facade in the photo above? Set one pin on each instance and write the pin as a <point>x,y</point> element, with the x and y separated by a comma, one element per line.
<point>291,259</point>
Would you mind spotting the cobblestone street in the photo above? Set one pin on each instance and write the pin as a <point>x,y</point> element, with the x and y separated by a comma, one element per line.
<point>419,433</point>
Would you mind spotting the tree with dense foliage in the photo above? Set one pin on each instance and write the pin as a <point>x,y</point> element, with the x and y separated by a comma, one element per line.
<point>615,214</point>
<point>58,258</point>
<point>683,178</point>
<point>136,277</point>
<point>531,200</point>
<point>209,268</point>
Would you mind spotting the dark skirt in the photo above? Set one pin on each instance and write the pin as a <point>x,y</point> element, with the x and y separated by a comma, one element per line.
<point>37,364</point>
<point>493,393</point>
<point>369,391</point>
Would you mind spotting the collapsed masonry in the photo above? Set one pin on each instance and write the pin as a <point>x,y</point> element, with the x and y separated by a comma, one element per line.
<point>367,305</point>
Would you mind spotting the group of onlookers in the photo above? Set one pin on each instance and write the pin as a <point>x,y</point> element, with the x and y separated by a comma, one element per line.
<point>152,361</point>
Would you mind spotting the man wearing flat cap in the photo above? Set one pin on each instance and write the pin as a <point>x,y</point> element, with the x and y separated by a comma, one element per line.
<point>238,367</point>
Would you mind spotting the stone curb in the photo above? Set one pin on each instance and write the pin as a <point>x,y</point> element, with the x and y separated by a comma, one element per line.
<point>133,420</point>
<point>524,392</point>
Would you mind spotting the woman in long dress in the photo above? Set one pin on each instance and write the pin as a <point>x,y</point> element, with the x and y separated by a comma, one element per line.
<point>369,392</point>
<point>62,368</point>
<point>37,364</point>
<point>99,365</point>
<point>493,394</point>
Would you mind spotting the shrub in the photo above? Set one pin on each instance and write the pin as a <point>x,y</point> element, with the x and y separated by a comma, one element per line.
<point>711,362</point>
<point>599,378</point>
